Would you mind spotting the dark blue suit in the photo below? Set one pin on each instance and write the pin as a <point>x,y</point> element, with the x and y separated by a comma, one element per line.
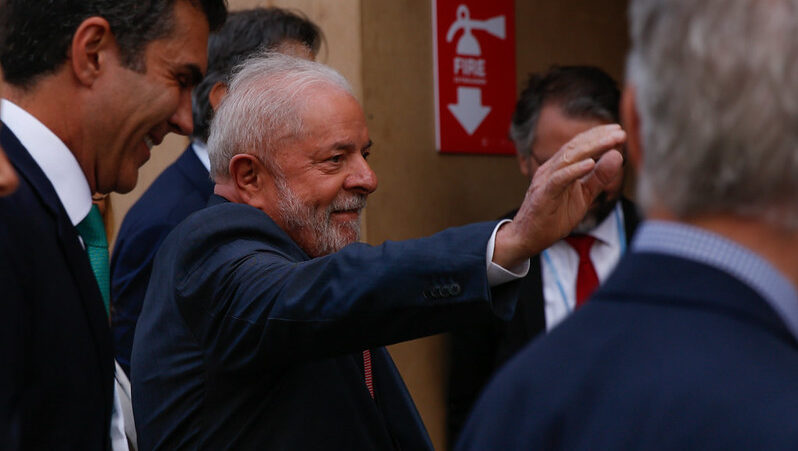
<point>477,350</point>
<point>183,188</point>
<point>57,365</point>
<point>670,354</point>
<point>246,343</point>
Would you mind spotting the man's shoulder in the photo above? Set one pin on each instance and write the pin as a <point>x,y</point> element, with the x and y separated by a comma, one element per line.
<point>24,211</point>
<point>35,195</point>
<point>668,310</point>
<point>223,223</point>
<point>621,350</point>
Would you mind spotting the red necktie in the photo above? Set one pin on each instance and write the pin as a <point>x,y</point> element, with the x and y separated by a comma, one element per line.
<point>367,371</point>
<point>586,278</point>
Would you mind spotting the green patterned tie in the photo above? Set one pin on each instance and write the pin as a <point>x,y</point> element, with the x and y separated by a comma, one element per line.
<point>92,230</point>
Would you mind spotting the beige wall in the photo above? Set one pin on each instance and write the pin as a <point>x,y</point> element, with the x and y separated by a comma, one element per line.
<point>384,48</point>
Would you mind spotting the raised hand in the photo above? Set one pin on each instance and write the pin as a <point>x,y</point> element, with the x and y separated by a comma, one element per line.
<point>560,194</point>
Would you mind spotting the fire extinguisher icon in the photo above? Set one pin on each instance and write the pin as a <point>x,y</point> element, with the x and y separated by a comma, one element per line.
<point>468,44</point>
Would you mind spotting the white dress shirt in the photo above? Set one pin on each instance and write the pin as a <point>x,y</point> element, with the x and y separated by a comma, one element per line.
<point>63,171</point>
<point>560,262</point>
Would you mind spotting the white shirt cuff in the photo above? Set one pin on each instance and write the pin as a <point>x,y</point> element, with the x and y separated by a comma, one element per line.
<point>497,274</point>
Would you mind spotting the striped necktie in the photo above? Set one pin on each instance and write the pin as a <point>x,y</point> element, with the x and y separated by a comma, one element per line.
<point>92,230</point>
<point>367,372</point>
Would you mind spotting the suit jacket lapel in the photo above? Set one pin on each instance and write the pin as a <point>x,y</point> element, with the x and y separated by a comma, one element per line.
<point>76,256</point>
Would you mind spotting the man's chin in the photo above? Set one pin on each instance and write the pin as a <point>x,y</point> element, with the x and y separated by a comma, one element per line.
<point>349,232</point>
<point>124,185</point>
<point>595,216</point>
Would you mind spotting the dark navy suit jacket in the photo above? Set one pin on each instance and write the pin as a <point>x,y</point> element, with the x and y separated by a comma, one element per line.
<point>477,350</point>
<point>246,343</point>
<point>669,354</point>
<point>57,365</point>
<point>183,188</point>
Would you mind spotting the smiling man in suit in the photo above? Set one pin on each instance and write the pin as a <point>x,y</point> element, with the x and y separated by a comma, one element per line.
<point>555,106</point>
<point>264,322</point>
<point>185,186</point>
<point>693,341</point>
<point>92,85</point>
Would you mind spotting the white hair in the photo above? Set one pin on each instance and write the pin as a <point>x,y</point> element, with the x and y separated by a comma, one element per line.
<point>717,94</point>
<point>263,106</point>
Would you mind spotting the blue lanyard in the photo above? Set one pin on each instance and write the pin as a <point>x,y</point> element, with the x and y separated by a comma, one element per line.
<point>547,258</point>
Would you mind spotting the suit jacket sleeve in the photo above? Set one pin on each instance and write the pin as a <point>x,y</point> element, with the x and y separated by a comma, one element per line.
<point>254,302</point>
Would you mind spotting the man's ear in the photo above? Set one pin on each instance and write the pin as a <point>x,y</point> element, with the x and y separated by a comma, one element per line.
<point>92,39</point>
<point>217,93</point>
<point>523,165</point>
<point>632,126</point>
<point>248,175</point>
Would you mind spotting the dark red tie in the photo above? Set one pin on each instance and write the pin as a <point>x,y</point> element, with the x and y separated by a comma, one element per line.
<point>367,372</point>
<point>586,278</point>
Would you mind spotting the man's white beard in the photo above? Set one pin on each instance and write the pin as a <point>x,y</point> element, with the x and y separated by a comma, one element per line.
<point>326,236</point>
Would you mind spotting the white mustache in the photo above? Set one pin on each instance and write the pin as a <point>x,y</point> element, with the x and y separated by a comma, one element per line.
<point>348,203</point>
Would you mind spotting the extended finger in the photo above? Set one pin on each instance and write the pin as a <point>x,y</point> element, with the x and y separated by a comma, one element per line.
<point>605,172</point>
<point>589,144</point>
<point>561,179</point>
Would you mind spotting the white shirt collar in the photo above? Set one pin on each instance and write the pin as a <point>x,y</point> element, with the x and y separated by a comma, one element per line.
<point>53,157</point>
<point>201,151</point>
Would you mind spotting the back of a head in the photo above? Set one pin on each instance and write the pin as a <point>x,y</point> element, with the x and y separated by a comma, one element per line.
<point>583,92</point>
<point>37,34</point>
<point>245,33</point>
<point>264,105</point>
<point>716,85</point>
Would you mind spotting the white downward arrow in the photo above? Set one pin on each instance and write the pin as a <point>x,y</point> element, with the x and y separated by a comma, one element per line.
<point>469,110</point>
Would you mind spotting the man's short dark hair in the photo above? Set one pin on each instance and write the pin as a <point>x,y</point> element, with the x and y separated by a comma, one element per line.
<point>244,34</point>
<point>583,92</point>
<point>37,34</point>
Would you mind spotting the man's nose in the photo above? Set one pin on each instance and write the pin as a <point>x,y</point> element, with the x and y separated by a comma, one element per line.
<point>362,178</point>
<point>181,121</point>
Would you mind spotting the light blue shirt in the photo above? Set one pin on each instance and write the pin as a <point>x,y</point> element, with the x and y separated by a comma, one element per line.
<point>700,245</point>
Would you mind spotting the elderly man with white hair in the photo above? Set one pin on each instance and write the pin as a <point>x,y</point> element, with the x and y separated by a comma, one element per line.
<point>693,342</point>
<point>264,322</point>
